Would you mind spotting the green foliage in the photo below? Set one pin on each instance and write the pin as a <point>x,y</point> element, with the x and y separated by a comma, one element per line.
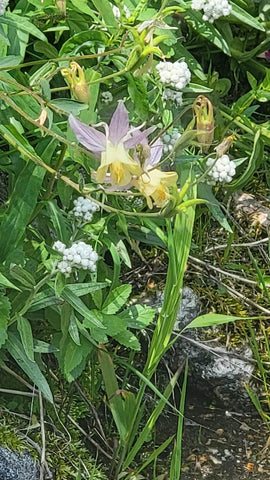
<point>82,317</point>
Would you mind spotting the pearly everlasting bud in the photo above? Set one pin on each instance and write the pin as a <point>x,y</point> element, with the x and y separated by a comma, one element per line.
<point>76,80</point>
<point>176,74</point>
<point>222,171</point>
<point>80,255</point>
<point>84,209</point>
<point>169,140</point>
<point>106,97</point>
<point>203,110</point>
<point>3,6</point>
<point>173,96</point>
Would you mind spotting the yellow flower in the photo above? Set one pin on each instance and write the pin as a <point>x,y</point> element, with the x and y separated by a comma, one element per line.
<point>120,164</point>
<point>154,185</point>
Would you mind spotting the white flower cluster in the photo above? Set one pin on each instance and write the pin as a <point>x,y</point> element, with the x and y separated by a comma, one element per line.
<point>223,170</point>
<point>212,9</point>
<point>173,96</point>
<point>3,6</point>
<point>79,255</point>
<point>106,97</point>
<point>84,209</point>
<point>169,141</point>
<point>175,74</point>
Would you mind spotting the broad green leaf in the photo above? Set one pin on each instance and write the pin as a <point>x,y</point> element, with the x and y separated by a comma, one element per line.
<point>25,331</point>
<point>22,23</point>
<point>16,350</point>
<point>10,61</point>
<point>138,316</point>
<point>81,42</point>
<point>82,6</point>
<point>138,94</point>
<point>116,299</point>
<point>207,30</point>
<point>205,192</point>
<point>129,340</point>
<point>75,358</point>
<point>4,317</point>
<point>43,347</point>
<point>193,64</point>
<point>113,324</point>
<point>72,299</point>
<point>6,283</point>
<point>69,106</point>
<point>104,7</point>
<point>239,14</point>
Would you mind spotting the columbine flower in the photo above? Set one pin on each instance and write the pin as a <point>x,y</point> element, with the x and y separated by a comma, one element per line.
<point>112,147</point>
<point>154,183</point>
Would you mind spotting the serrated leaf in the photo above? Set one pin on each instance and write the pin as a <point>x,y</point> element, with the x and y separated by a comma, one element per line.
<point>16,350</point>
<point>116,299</point>
<point>138,316</point>
<point>25,331</point>
<point>4,317</point>
<point>129,340</point>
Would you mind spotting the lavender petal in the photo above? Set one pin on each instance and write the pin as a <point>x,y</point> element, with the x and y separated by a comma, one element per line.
<point>155,155</point>
<point>89,137</point>
<point>119,124</point>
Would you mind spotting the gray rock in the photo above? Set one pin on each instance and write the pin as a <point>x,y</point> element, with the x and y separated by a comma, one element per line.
<point>214,371</point>
<point>16,466</point>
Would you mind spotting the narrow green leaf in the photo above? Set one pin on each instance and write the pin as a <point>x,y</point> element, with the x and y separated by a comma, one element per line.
<point>113,393</point>
<point>73,329</point>
<point>207,30</point>
<point>104,7</point>
<point>239,13</point>
<point>16,350</point>
<point>72,299</point>
<point>25,331</point>
<point>4,317</point>
<point>6,283</point>
<point>213,319</point>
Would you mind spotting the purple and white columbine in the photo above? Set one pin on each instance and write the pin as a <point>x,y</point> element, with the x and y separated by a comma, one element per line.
<point>113,147</point>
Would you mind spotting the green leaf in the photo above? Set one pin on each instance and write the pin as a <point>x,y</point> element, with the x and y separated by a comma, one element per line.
<point>138,94</point>
<point>10,61</point>
<point>138,316</point>
<point>81,289</point>
<point>129,340</point>
<point>212,319</point>
<point>16,350</point>
<point>205,192</point>
<point>256,158</point>
<point>72,299</point>
<point>113,324</point>
<point>21,23</point>
<point>82,41</point>
<point>82,6</point>
<point>25,278</point>
<point>25,331</point>
<point>105,9</point>
<point>58,221</point>
<point>69,106</point>
<point>116,299</point>
<point>207,30</point>
<point>6,283</point>
<point>4,317</point>
<point>73,329</point>
<point>113,393</point>
<point>43,347</point>
<point>239,14</point>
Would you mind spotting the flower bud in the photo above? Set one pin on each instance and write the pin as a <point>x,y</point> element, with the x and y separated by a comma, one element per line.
<point>224,146</point>
<point>203,110</point>
<point>76,80</point>
<point>62,7</point>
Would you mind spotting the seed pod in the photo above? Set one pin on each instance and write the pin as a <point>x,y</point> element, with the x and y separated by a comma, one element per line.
<point>203,110</point>
<point>76,80</point>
